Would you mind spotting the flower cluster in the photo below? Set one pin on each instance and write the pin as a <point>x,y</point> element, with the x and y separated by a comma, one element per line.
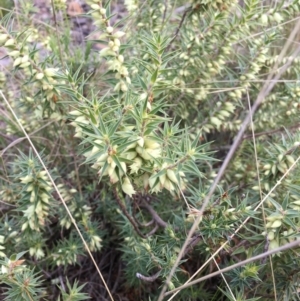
<point>276,232</point>
<point>60,4</point>
<point>131,6</point>
<point>37,189</point>
<point>45,79</point>
<point>66,252</point>
<point>115,60</point>
<point>36,243</point>
<point>140,153</point>
<point>219,5</point>
<point>222,118</point>
<point>68,196</point>
<point>140,162</point>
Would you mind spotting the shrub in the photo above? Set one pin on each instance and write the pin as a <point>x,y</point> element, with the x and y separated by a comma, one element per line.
<point>114,151</point>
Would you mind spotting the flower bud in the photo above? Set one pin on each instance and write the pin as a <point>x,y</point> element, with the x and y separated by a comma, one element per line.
<point>290,159</point>
<point>123,87</point>
<point>135,167</point>
<point>140,142</point>
<point>280,157</point>
<point>3,38</point>
<point>14,53</point>
<point>274,216</point>
<point>130,155</point>
<point>124,168</point>
<point>277,17</point>
<point>264,19</point>
<point>153,182</point>
<point>24,65</point>
<point>121,58</point>
<point>27,179</point>
<point>39,76</point>
<point>9,42</point>
<point>118,34</point>
<point>151,143</point>
<point>276,224</point>
<point>117,42</point>
<point>114,177</point>
<point>102,158</point>
<point>25,58</point>
<point>115,48</point>
<point>17,61</point>
<point>224,113</point>
<point>103,11</point>
<point>162,179</point>
<point>267,166</point>
<point>109,29</point>
<point>171,175</point>
<point>216,121</point>
<point>282,167</point>
<point>95,6</point>
<point>75,112</point>
<point>273,244</point>
<point>168,185</point>
<point>106,52</point>
<point>271,235</point>
<point>50,72</point>
<point>127,187</point>
<point>145,178</point>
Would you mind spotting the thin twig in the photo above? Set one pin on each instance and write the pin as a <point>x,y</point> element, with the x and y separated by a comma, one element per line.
<point>126,213</point>
<point>193,242</point>
<point>165,13</point>
<point>148,278</point>
<point>148,224</point>
<point>180,25</point>
<point>56,32</point>
<point>234,266</point>
<point>293,127</point>
<point>154,214</point>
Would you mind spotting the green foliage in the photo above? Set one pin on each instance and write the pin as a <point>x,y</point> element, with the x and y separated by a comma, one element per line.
<point>23,283</point>
<point>6,6</point>
<point>74,293</point>
<point>133,125</point>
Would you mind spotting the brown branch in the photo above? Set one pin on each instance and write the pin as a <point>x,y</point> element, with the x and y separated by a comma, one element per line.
<point>180,25</point>
<point>193,242</point>
<point>152,231</point>
<point>293,127</point>
<point>137,221</point>
<point>292,149</point>
<point>126,213</point>
<point>154,214</point>
<point>148,278</point>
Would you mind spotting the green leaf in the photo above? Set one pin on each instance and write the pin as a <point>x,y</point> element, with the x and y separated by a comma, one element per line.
<point>154,76</point>
<point>92,117</point>
<point>275,204</point>
<point>145,65</point>
<point>103,170</point>
<point>160,173</point>
<point>113,129</point>
<point>102,126</point>
<point>116,160</point>
<point>239,250</point>
<point>124,145</point>
<point>144,86</point>
<point>289,222</point>
<point>192,168</point>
